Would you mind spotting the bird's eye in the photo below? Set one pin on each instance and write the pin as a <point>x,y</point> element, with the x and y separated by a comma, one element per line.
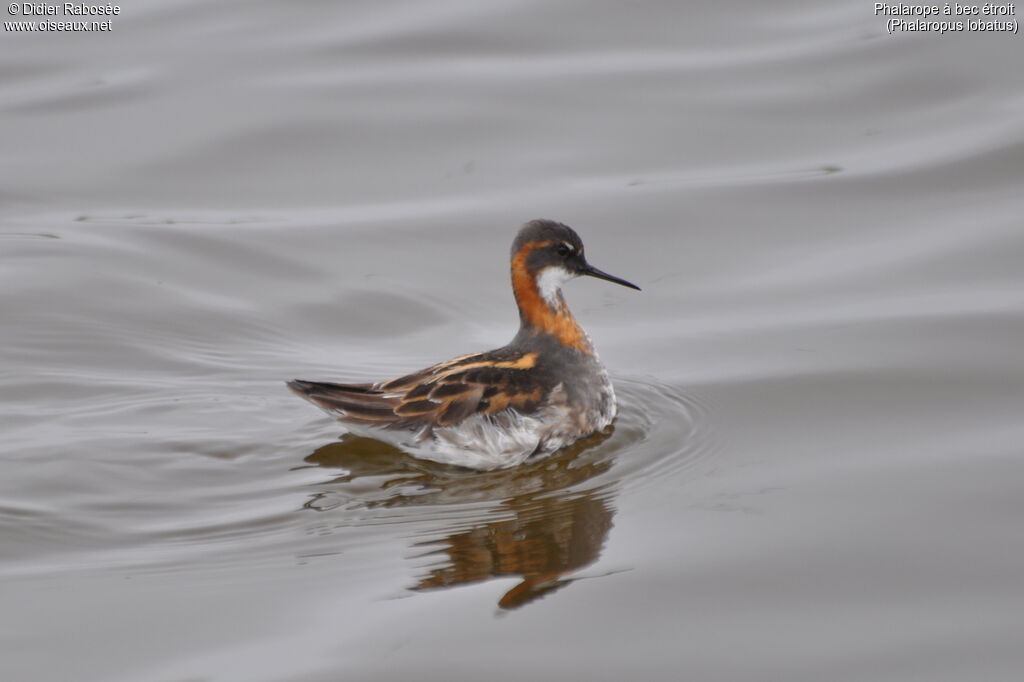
<point>563,250</point>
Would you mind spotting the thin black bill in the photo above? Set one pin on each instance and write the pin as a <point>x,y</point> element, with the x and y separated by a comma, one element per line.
<point>601,274</point>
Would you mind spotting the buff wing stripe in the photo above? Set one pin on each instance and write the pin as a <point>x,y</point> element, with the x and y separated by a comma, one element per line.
<point>442,395</point>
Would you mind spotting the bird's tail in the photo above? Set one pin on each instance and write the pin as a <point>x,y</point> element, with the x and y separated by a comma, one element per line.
<point>356,403</point>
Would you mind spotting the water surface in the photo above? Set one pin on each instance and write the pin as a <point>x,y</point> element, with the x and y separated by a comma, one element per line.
<point>816,472</point>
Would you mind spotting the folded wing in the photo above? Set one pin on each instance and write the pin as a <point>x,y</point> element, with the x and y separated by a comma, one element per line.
<point>441,395</point>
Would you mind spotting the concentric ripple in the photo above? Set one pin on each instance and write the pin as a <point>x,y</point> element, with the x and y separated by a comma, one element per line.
<point>541,522</point>
<point>660,431</point>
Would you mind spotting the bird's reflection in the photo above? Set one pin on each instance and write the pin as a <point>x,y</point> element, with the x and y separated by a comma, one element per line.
<point>549,519</point>
<point>545,541</point>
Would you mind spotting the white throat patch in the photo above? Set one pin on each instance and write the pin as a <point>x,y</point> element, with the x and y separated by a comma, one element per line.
<point>550,283</point>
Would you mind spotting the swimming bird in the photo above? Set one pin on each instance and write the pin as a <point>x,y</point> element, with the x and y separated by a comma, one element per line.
<point>544,390</point>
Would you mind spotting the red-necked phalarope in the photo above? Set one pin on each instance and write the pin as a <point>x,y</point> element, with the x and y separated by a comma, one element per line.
<point>543,391</point>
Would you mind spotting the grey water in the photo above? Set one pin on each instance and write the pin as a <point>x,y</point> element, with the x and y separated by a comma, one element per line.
<point>817,472</point>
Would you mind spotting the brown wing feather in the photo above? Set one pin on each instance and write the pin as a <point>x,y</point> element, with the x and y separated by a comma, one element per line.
<point>440,395</point>
<point>358,403</point>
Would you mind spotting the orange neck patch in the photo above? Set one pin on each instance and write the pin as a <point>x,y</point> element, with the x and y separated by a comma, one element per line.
<point>536,312</point>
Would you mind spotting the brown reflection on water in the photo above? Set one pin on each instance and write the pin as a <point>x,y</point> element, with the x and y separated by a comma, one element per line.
<point>543,543</point>
<point>545,523</point>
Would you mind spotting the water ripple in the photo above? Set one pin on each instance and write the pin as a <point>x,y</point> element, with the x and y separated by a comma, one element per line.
<point>660,431</point>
